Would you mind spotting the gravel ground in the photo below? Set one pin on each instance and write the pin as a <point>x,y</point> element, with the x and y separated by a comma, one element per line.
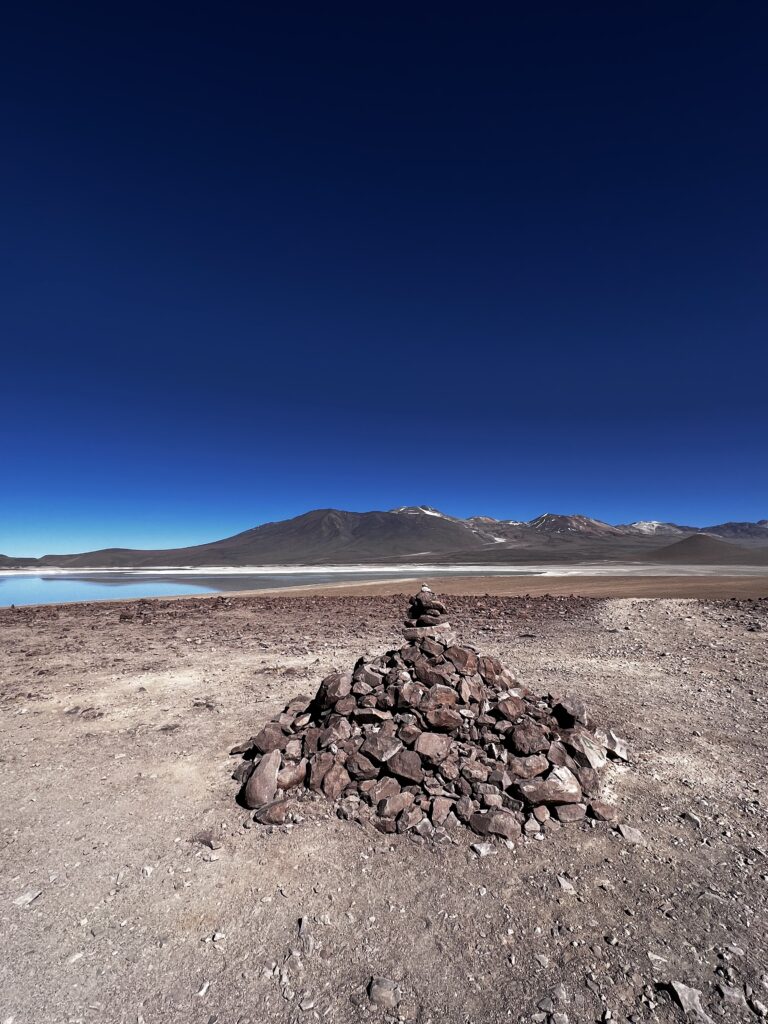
<point>131,889</point>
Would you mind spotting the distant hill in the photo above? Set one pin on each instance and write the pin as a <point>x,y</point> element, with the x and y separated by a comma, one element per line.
<point>701,549</point>
<point>9,562</point>
<point>325,535</point>
<point>420,533</point>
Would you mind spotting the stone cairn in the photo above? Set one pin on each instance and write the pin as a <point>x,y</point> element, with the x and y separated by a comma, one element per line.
<point>429,736</point>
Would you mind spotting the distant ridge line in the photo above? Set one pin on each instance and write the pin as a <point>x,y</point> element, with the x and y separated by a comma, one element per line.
<point>425,534</point>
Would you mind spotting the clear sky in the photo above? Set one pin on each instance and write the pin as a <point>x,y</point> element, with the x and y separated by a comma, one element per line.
<point>262,258</point>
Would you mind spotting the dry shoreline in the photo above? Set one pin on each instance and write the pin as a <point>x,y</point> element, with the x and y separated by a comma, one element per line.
<point>712,587</point>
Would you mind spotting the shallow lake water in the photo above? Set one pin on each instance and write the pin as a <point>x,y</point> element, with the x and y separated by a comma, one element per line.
<point>59,588</point>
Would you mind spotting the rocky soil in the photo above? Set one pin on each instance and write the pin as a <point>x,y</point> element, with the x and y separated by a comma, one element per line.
<point>134,889</point>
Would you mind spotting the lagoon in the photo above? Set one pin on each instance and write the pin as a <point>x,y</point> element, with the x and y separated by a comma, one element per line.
<point>62,587</point>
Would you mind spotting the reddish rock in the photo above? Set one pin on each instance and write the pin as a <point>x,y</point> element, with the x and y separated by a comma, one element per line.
<point>528,767</point>
<point>371,716</point>
<point>471,690</point>
<point>380,747</point>
<point>334,687</point>
<point>464,809</point>
<point>271,737</point>
<point>511,707</point>
<point>318,767</point>
<point>384,788</point>
<point>410,695</point>
<point>557,753</point>
<point>261,787</point>
<point>386,825</point>
<point>501,778</point>
<point>474,771</point>
<point>409,818</point>
<point>569,711</point>
<point>409,734</point>
<point>433,747</point>
<point>444,719</point>
<point>585,751</point>
<point>406,765</point>
<point>437,675</point>
<point>503,823</point>
<point>489,669</point>
<point>360,767</point>
<point>393,805</point>
<point>345,706</point>
<point>560,787</point>
<point>440,695</point>
<point>441,808</point>
<point>292,775</point>
<point>339,730</point>
<point>466,661</point>
<point>603,811</point>
<point>335,781</point>
<point>589,780</point>
<point>568,813</point>
<point>273,813</point>
<point>529,739</point>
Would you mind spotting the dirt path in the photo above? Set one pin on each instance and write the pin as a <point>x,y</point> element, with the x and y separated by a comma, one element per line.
<point>115,735</point>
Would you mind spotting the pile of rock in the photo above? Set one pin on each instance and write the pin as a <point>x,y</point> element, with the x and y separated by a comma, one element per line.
<point>430,735</point>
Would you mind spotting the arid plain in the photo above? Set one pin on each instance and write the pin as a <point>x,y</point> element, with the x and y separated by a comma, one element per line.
<point>135,889</point>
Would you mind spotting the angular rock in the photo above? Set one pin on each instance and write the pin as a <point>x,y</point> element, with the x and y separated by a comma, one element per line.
<point>570,711</point>
<point>528,767</point>
<point>335,781</point>
<point>270,737</point>
<point>529,739</point>
<point>441,808</point>
<point>273,813</point>
<point>560,787</point>
<point>333,687</point>
<point>465,661</point>
<point>585,751</point>
<point>380,747</point>
<point>444,719</point>
<point>384,992</point>
<point>511,707</point>
<point>433,747</point>
<point>567,813</point>
<point>409,818</point>
<point>394,805</point>
<point>360,767</point>
<point>384,788</point>
<point>603,811</point>
<point>406,766</point>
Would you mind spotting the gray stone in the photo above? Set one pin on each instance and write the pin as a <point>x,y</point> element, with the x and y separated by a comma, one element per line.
<point>384,992</point>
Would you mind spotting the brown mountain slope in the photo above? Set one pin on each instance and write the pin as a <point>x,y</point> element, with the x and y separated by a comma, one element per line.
<point>325,535</point>
<point>701,549</point>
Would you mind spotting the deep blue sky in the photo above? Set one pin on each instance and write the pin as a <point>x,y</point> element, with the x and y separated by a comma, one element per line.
<point>501,259</point>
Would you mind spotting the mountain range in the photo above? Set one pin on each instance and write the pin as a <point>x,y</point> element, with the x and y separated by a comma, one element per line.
<point>421,533</point>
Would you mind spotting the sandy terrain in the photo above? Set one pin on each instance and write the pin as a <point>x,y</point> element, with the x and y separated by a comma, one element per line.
<point>116,725</point>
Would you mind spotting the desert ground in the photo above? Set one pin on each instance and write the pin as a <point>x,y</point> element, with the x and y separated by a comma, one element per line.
<point>134,889</point>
